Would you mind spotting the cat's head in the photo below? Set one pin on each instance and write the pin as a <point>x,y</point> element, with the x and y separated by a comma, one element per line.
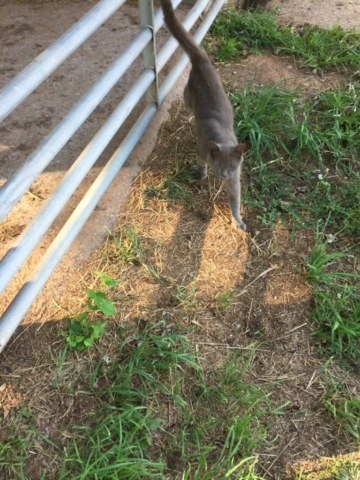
<point>225,160</point>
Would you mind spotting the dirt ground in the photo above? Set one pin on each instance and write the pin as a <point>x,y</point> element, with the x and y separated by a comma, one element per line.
<point>278,299</point>
<point>326,14</point>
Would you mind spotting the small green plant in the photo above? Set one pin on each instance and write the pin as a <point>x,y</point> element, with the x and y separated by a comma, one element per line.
<point>98,301</point>
<point>107,280</point>
<point>59,377</point>
<point>97,298</point>
<point>345,411</point>
<point>186,295</point>
<point>151,271</point>
<point>82,332</point>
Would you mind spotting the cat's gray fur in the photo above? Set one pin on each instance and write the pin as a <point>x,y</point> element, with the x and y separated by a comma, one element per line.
<point>205,96</point>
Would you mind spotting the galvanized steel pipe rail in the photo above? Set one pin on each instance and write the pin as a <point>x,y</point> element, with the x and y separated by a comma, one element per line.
<point>25,297</point>
<point>18,184</point>
<point>38,70</point>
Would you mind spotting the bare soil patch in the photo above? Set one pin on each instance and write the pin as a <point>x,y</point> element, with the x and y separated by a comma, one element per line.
<point>326,14</point>
<point>271,69</point>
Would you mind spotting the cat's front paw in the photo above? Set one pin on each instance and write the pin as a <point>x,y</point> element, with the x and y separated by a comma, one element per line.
<point>239,224</point>
<point>200,173</point>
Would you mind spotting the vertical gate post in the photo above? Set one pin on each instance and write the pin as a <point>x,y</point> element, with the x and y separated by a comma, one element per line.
<point>147,20</point>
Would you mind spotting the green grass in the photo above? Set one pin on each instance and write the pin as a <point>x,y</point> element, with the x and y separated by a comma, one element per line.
<point>218,418</point>
<point>115,448</point>
<point>343,404</point>
<point>127,245</point>
<point>302,149</point>
<point>20,442</point>
<point>336,287</point>
<point>156,369</point>
<point>302,155</point>
<point>13,453</point>
<point>174,186</point>
<point>278,121</point>
<point>235,34</point>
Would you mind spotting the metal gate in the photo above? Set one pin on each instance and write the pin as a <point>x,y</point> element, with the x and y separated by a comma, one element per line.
<point>29,79</point>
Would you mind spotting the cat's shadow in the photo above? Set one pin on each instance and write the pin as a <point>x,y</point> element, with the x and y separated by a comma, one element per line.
<point>229,282</point>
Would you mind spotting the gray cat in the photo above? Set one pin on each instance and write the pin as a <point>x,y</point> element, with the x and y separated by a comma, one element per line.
<point>205,96</point>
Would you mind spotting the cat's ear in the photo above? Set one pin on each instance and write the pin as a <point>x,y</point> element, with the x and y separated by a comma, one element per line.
<point>240,149</point>
<point>213,147</point>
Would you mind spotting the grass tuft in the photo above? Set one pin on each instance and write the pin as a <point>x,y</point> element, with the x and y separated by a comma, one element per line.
<point>302,156</point>
<point>343,404</point>
<point>337,299</point>
<point>235,35</point>
<point>217,418</point>
<point>173,186</point>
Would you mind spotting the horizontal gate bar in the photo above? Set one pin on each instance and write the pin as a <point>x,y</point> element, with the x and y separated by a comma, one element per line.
<point>16,186</point>
<point>15,257</point>
<point>27,294</point>
<point>38,70</point>
<point>29,238</point>
<point>25,297</point>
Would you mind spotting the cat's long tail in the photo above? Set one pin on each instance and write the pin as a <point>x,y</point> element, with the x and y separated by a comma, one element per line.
<point>182,36</point>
